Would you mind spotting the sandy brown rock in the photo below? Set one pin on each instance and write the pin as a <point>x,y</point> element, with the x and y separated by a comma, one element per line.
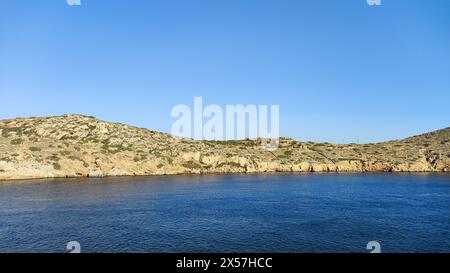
<point>77,146</point>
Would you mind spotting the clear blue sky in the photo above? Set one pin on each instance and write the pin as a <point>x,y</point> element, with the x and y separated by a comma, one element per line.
<point>341,71</point>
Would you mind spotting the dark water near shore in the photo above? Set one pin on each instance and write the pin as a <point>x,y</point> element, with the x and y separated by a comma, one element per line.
<point>237,213</point>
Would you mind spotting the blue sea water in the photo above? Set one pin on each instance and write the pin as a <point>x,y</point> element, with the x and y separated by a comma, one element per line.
<point>228,213</point>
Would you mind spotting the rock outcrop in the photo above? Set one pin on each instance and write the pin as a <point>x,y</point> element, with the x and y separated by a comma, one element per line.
<point>77,146</point>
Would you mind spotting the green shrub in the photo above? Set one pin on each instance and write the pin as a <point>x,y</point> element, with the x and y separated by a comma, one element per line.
<point>231,164</point>
<point>17,141</point>
<point>74,158</point>
<point>35,149</point>
<point>7,130</point>
<point>191,165</point>
<point>53,157</point>
<point>140,157</point>
<point>64,153</point>
<point>6,159</point>
<point>113,149</point>
<point>56,166</point>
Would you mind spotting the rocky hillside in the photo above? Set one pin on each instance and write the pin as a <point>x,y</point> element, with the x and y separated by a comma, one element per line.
<point>75,146</point>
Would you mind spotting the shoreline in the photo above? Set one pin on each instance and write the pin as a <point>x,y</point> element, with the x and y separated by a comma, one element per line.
<point>225,174</point>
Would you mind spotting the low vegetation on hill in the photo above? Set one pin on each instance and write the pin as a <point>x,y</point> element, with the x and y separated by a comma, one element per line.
<point>76,146</point>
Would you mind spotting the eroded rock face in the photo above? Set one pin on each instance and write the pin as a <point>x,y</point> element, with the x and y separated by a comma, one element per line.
<point>80,146</point>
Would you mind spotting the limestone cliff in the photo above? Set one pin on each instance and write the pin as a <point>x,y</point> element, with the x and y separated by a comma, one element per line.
<point>76,146</point>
